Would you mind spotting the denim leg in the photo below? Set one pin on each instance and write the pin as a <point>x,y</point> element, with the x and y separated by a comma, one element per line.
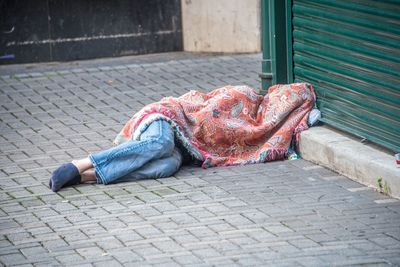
<point>158,168</point>
<point>157,141</point>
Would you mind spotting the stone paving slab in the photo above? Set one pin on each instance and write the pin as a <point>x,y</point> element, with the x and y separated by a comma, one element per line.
<point>284,213</point>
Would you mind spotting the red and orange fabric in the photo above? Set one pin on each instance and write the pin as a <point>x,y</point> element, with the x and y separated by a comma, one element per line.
<point>232,125</point>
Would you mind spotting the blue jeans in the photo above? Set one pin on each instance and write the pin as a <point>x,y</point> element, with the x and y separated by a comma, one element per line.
<point>153,156</point>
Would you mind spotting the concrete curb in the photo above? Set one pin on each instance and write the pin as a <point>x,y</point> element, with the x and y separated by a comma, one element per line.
<point>360,162</point>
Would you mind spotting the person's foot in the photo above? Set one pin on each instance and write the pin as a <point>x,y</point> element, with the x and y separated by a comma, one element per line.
<point>65,175</point>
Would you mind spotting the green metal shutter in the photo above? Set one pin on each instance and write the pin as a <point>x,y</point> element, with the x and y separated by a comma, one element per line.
<point>350,52</point>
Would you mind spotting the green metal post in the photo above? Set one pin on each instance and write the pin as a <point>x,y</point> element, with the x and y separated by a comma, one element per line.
<point>289,41</point>
<point>274,43</point>
<point>266,75</point>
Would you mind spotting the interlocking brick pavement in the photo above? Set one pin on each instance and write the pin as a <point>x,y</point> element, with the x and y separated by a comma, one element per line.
<point>284,213</point>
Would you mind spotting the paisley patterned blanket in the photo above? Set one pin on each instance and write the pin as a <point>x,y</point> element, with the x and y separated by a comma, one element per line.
<point>232,125</point>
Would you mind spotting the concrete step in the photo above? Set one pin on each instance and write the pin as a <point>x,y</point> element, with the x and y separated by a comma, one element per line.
<point>340,152</point>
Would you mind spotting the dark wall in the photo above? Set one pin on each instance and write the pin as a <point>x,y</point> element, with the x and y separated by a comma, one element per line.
<point>62,30</point>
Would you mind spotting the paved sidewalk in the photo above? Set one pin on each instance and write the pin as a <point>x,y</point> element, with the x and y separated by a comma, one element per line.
<point>285,213</point>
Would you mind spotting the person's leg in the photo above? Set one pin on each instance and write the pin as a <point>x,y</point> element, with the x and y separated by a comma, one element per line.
<point>83,164</point>
<point>154,169</point>
<point>158,168</point>
<point>157,141</point>
<point>88,176</point>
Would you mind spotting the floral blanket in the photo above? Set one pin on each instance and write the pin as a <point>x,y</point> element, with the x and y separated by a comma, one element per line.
<point>232,125</point>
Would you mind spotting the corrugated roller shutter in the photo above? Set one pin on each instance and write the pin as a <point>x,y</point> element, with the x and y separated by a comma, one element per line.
<point>350,52</point>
